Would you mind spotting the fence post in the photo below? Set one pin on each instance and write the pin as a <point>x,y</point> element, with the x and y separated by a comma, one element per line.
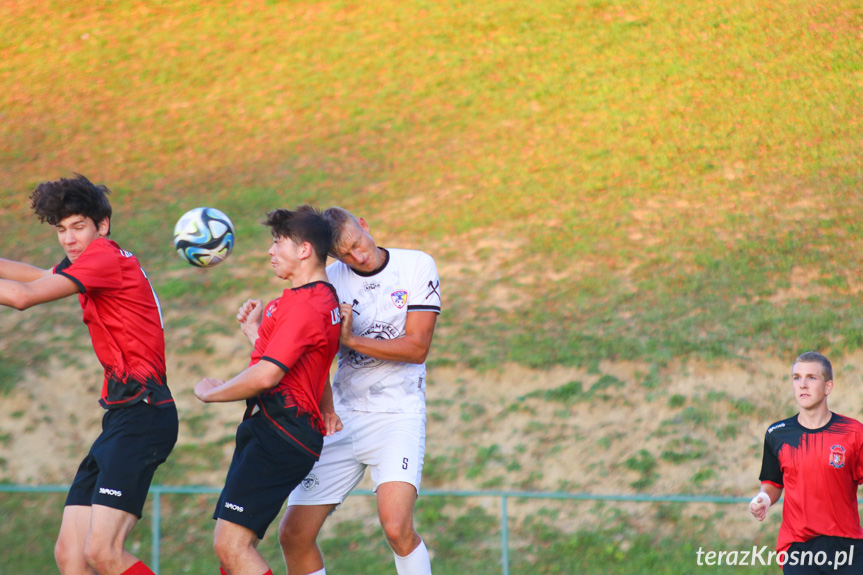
<point>504,535</point>
<point>157,528</point>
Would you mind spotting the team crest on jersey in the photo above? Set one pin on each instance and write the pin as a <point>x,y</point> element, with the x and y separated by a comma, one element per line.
<point>400,298</point>
<point>272,308</point>
<point>837,456</point>
<point>310,482</point>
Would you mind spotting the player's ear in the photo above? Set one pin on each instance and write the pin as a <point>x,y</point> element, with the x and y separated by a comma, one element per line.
<point>828,387</point>
<point>363,224</point>
<point>104,227</point>
<point>306,250</point>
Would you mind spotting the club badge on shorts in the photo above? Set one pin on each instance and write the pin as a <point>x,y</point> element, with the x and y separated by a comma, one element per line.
<point>310,482</point>
<point>837,456</point>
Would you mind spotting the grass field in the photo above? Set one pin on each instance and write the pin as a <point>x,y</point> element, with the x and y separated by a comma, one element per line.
<point>597,180</point>
<point>667,178</point>
<point>463,533</point>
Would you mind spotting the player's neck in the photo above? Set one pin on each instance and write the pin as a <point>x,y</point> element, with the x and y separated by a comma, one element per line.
<point>307,276</point>
<point>814,418</point>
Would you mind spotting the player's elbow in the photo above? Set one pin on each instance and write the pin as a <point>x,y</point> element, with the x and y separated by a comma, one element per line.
<point>420,355</point>
<point>19,301</point>
<point>264,385</point>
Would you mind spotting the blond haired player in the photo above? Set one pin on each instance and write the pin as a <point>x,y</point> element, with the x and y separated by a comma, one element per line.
<point>390,303</point>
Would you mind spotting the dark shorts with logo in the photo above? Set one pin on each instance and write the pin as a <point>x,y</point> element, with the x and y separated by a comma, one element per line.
<point>264,471</point>
<point>117,472</point>
<point>825,554</point>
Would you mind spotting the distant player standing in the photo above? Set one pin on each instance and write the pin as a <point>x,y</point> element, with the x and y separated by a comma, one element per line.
<point>390,303</point>
<point>139,428</point>
<point>817,458</point>
<point>289,400</point>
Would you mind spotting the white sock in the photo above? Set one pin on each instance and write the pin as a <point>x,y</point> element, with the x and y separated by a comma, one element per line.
<point>416,563</point>
<point>321,572</point>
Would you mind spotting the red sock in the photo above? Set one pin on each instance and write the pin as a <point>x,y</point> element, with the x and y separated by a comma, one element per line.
<point>138,569</point>
<point>222,571</point>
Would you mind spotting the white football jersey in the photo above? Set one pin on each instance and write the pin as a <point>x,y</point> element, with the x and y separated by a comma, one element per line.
<point>407,282</point>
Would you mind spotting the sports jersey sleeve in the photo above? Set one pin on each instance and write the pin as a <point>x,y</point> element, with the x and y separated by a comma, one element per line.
<point>95,269</point>
<point>296,330</point>
<point>771,472</point>
<point>425,293</point>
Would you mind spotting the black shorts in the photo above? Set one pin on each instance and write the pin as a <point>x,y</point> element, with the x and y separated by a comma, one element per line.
<point>117,472</point>
<point>264,471</point>
<point>825,554</point>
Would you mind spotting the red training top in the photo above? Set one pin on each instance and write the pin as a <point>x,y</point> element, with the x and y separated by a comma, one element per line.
<point>820,470</point>
<point>299,333</point>
<point>122,313</point>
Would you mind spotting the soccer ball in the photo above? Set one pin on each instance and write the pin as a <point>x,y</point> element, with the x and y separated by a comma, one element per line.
<point>204,237</point>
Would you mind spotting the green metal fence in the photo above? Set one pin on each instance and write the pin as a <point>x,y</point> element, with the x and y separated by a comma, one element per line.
<point>158,490</point>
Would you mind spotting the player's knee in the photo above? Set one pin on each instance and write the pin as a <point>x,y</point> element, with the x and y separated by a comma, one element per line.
<point>230,551</point>
<point>400,533</point>
<point>293,537</point>
<point>225,550</point>
<point>64,555</point>
<point>100,557</point>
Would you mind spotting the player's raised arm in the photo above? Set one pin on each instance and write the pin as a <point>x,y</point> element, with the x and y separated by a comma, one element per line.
<point>21,272</point>
<point>22,295</point>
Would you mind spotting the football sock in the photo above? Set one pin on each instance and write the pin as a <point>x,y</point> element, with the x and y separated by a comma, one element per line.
<point>320,572</point>
<point>138,569</point>
<point>415,563</point>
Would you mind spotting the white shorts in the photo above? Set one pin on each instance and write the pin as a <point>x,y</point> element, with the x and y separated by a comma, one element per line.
<point>392,445</point>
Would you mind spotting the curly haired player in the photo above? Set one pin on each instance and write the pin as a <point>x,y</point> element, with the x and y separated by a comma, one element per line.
<point>139,428</point>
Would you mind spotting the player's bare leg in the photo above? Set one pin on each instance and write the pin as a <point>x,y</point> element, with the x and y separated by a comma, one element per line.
<point>396,501</point>
<point>298,535</point>
<point>237,549</point>
<point>69,549</point>
<point>105,548</point>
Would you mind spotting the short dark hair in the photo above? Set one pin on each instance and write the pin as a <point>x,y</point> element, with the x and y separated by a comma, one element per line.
<point>815,357</point>
<point>305,224</point>
<point>76,196</point>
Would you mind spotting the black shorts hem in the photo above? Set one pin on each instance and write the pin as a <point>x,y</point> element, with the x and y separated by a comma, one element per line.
<point>119,468</point>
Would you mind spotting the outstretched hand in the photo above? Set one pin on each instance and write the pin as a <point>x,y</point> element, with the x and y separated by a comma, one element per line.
<point>203,387</point>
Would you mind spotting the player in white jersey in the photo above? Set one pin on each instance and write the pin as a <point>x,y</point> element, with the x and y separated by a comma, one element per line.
<point>390,303</point>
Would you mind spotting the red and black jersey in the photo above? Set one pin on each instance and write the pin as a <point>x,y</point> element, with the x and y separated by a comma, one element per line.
<point>299,333</point>
<point>125,322</point>
<point>820,470</point>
